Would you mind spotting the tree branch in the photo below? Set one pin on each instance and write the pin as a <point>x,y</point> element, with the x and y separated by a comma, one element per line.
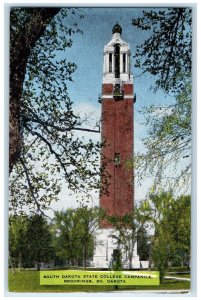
<point>50,148</point>
<point>61,129</point>
<point>30,184</point>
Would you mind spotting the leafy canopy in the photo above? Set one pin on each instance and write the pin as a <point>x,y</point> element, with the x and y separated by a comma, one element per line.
<point>51,151</point>
<point>166,54</point>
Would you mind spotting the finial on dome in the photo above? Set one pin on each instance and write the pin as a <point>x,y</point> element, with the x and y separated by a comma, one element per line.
<point>117,28</point>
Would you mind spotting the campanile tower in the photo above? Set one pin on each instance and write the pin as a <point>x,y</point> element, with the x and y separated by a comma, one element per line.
<point>117,126</point>
<point>117,134</point>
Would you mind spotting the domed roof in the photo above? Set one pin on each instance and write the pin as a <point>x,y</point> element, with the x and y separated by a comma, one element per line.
<point>117,28</point>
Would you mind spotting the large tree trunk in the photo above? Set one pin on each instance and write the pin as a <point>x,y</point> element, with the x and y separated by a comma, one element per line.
<point>20,48</point>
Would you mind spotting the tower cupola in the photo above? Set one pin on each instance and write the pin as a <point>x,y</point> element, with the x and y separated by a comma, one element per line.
<point>117,29</point>
<point>116,66</point>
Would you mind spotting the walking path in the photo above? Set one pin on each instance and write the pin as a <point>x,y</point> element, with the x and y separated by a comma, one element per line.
<point>159,291</point>
<point>178,278</point>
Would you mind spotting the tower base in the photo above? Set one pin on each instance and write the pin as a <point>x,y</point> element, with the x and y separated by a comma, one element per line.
<point>105,246</point>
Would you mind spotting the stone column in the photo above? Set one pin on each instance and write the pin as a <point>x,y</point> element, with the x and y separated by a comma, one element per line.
<point>126,62</point>
<point>104,63</point>
<point>107,62</point>
<point>113,62</point>
<point>129,63</point>
<point>121,62</point>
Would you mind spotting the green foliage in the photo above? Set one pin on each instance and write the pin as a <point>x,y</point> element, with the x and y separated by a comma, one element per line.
<point>167,154</point>
<point>69,238</point>
<point>30,241</point>
<point>169,218</point>
<point>167,55</point>
<point>64,243</point>
<point>87,221</point>
<point>160,254</point>
<point>125,234</point>
<point>17,240</point>
<point>73,232</point>
<point>179,227</point>
<point>142,243</point>
<point>116,264</point>
<point>39,244</point>
<point>50,150</point>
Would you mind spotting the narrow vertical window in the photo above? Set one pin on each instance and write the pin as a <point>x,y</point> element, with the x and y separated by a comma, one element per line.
<point>124,62</point>
<point>117,60</point>
<point>110,62</point>
<point>117,159</point>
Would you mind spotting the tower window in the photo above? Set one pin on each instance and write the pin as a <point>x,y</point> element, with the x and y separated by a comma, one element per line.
<point>124,62</point>
<point>117,89</point>
<point>117,159</point>
<point>117,60</point>
<point>110,62</point>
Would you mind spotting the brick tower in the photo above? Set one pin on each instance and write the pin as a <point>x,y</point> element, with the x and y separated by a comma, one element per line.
<point>117,125</point>
<point>117,132</point>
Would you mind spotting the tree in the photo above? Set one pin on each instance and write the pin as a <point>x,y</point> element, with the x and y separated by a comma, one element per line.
<point>74,231</point>
<point>87,222</point>
<point>160,252</point>
<point>166,54</point>
<point>47,150</point>
<point>125,233</point>
<point>39,245</point>
<point>167,154</point>
<point>26,27</point>
<point>179,226</point>
<point>17,240</point>
<point>65,237</point>
<point>116,263</point>
<point>169,219</point>
<point>143,243</point>
<point>152,212</point>
<point>30,241</point>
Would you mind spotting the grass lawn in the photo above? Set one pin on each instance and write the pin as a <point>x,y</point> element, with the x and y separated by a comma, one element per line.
<point>28,281</point>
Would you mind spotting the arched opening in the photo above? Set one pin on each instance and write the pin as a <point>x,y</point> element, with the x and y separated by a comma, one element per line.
<point>117,60</point>
<point>124,62</point>
<point>110,62</point>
